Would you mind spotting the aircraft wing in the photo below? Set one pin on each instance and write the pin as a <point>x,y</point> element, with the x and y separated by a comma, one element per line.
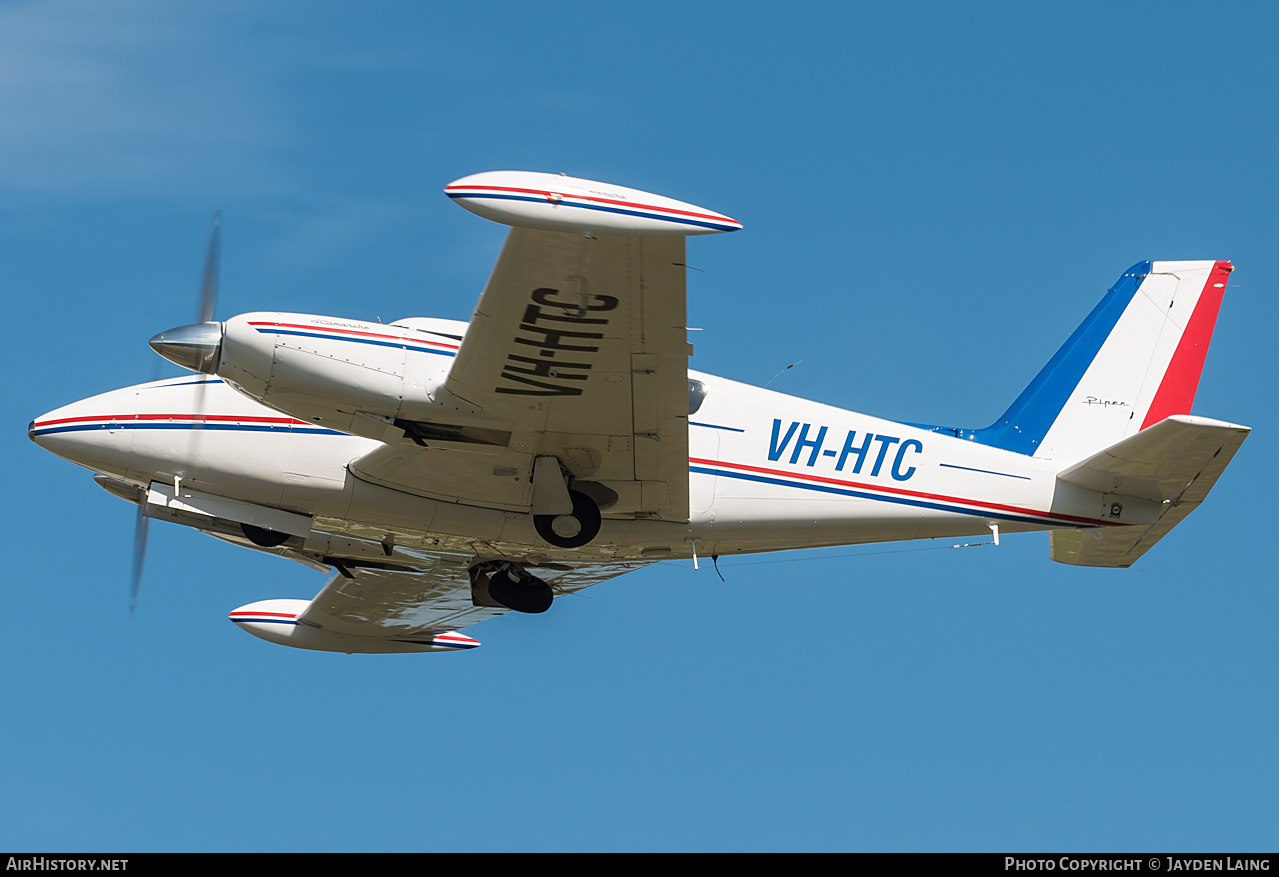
<point>400,603</point>
<point>577,350</point>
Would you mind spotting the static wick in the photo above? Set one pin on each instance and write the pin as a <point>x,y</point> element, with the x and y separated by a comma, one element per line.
<point>994,529</point>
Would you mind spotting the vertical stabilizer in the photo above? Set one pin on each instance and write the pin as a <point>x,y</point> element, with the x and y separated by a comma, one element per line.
<point>1133,362</point>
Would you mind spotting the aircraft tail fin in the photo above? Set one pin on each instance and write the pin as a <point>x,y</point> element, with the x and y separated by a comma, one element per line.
<point>1174,463</point>
<point>1133,362</point>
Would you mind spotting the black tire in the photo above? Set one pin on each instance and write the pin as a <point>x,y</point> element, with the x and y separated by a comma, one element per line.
<point>264,538</point>
<point>529,594</point>
<point>588,517</point>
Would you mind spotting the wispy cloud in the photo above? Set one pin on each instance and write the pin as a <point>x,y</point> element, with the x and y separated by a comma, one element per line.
<point>96,97</point>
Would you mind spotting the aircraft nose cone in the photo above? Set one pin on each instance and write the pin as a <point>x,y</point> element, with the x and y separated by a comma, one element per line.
<point>92,432</point>
<point>197,346</point>
<point>40,430</point>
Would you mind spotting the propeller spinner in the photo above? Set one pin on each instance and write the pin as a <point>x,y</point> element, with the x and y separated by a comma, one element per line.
<point>196,346</point>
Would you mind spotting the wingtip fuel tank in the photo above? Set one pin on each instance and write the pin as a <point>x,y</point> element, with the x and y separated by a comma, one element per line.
<point>554,202</point>
<point>279,621</point>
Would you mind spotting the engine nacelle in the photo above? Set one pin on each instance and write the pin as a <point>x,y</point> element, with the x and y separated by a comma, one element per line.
<point>276,621</point>
<point>325,370</point>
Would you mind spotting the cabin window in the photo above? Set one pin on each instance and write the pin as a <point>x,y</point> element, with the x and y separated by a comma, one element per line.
<point>696,395</point>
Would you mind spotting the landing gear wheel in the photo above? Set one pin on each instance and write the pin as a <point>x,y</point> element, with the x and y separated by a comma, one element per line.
<point>527,594</point>
<point>264,538</point>
<point>571,531</point>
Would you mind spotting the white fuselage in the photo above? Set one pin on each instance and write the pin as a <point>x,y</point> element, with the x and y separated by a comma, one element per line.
<point>767,472</point>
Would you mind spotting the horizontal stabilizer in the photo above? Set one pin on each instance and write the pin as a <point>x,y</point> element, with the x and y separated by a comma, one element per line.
<point>1175,462</point>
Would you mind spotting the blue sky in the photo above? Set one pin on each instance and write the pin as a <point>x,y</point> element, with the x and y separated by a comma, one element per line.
<point>934,195</point>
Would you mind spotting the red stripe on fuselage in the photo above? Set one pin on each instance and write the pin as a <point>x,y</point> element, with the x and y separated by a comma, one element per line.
<point>359,333</point>
<point>935,497</point>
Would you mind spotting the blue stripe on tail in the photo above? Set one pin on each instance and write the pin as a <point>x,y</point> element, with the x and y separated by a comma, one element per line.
<point>1024,425</point>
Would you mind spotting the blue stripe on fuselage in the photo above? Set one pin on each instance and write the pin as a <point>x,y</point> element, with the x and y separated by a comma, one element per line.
<point>406,345</point>
<point>880,497</point>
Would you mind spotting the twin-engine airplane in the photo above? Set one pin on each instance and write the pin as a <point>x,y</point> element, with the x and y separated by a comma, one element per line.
<point>448,472</point>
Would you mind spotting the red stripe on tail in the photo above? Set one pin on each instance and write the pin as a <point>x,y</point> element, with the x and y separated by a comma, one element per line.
<point>1177,391</point>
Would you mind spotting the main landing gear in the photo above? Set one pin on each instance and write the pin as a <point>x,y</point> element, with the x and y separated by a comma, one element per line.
<point>263,537</point>
<point>572,530</point>
<point>498,583</point>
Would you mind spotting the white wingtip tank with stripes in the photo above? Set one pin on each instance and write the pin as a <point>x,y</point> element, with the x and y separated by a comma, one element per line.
<point>554,202</point>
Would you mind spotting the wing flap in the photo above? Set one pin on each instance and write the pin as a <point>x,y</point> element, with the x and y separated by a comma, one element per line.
<point>493,478</point>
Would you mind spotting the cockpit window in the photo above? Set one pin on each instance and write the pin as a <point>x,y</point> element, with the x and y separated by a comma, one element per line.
<point>696,395</point>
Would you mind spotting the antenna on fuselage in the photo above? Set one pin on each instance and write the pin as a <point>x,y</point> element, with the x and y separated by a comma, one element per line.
<point>779,374</point>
